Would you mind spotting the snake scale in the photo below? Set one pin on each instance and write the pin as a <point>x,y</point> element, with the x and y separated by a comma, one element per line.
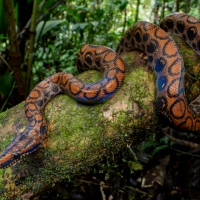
<point>163,56</point>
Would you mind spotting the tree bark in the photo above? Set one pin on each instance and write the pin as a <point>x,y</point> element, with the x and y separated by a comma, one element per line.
<point>15,56</point>
<point>79,135</point>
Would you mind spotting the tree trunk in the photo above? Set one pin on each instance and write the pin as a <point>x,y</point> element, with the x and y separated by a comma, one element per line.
<point>79,135</point>
<point>15,56</point>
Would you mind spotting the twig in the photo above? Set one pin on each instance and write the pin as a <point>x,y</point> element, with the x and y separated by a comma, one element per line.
<point>192,145</point>
<point>133,153</point>
<point>138,190</point>
<point>5,102</point>
<point>125,16</point>
<point>101,189</point>
<point>189,154</point>
<point>6,63</point>
<point>32,41</point>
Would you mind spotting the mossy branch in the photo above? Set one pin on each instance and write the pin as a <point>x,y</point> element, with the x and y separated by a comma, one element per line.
<point>79,135</point>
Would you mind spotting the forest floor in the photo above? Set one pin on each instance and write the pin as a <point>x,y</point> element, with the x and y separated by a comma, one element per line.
<point>157,171</point>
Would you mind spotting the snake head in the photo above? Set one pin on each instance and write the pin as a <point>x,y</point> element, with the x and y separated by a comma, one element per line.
<point>22,145</point>
<point>92,56</point>
<point>86,57</point>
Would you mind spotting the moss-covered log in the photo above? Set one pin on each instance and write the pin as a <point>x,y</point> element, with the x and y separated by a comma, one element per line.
<point>81,135</point>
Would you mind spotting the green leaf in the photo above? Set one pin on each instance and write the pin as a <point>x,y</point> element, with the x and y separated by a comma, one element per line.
<point>49,25</point>
<point>3,29</point>
<point>135,165</point>
<point>158,149</point>
<point>123,5</point>
<point>15,4</point>
<point>6,82</point>
<point>78,26</point>
<point>164,140</point>
<point>29,1</point>
<point>83,25</point>
<point>75,26</point>
<point>95,23</point>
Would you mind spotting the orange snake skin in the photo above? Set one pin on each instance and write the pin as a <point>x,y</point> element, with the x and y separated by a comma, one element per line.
<point>167,63</point>
<point>164,58</point>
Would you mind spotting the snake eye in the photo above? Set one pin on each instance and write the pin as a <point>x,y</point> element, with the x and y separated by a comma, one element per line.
<point>16,155</point>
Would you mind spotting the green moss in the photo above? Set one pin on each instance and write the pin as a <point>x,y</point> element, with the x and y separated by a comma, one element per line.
<point>80,135</point>
<point>6,124</point>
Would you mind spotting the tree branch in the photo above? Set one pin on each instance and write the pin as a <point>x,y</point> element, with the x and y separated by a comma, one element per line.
<point>79,135</point>
<point>32,42</point>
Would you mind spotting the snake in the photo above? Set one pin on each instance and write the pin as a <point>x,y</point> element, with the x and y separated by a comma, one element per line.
<point>162,54</point>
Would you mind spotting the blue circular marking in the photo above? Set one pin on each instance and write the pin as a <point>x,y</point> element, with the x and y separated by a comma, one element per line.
<point>160,64</point>
<point>162,82</point>
<point>43,129</point>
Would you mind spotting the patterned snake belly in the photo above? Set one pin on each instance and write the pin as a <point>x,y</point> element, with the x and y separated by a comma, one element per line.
<point>163,56</point>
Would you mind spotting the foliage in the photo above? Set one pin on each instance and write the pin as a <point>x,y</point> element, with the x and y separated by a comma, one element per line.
<point>7,79</point>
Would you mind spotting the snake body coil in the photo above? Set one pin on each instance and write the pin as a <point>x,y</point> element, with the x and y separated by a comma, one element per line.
<point>89,57</point>
<point>164,57</point>
<point>167,63</point>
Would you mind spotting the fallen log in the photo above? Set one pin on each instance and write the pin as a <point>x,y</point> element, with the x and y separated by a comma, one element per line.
<point>80,135</point>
